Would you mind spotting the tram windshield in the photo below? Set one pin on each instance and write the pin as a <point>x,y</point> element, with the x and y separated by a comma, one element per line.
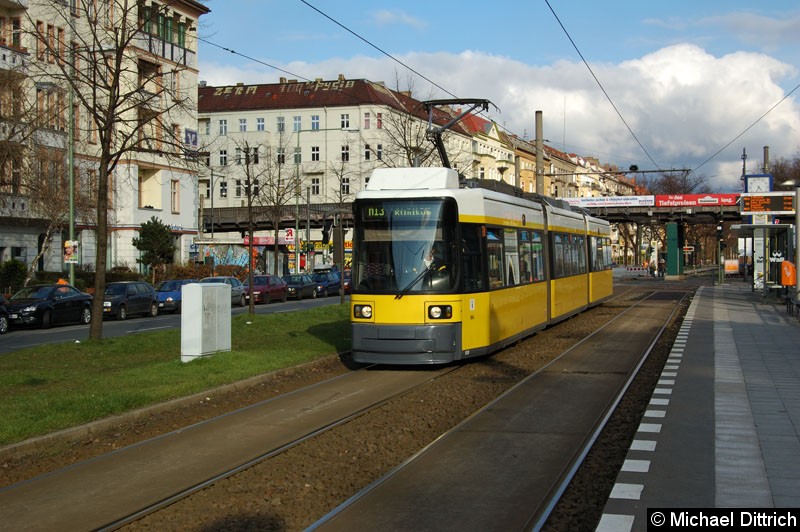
<point>405,246</point>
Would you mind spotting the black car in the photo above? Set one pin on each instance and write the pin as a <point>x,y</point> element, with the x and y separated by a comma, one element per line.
<point>125,298</point>
<point>48,304</point>
<point>300,286</point>
<point>3,315</point>
<point>328,281</point>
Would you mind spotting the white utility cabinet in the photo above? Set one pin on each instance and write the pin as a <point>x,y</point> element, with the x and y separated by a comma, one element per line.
<point>205,319</point>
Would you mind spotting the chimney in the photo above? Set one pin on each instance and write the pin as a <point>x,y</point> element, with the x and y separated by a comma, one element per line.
<point>341,77</point>
<point>283,79</point>
<point>766,159</point>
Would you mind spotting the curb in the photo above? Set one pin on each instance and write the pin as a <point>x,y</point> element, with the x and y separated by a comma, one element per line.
<point>72,434</point>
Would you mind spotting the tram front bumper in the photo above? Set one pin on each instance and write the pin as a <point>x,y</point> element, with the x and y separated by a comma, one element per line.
<point>406,344</point>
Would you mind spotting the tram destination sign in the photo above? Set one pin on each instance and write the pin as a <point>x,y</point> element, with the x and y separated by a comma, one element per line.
<point>768,203</point>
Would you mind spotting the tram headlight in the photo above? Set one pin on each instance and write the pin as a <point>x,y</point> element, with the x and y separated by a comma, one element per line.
<point>440,312</point>
<point>362,311</point>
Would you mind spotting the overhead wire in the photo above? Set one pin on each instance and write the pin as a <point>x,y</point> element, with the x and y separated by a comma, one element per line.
<point>748,128</point>
<point>381,50</point>
<point>608,97</point>
<point>437,85</point>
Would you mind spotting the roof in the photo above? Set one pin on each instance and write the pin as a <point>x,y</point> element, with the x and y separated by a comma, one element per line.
<point>293,94</point>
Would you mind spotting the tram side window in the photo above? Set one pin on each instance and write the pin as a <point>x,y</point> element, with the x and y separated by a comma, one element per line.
<point>511,256</point>
<point>569,255</point>
<point>494,252</point>
<point>471,251</point>
<point>531,258</point>
<point>601,253</point>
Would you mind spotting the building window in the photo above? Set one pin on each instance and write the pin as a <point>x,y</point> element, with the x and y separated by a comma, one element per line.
<point>345,154</point>
<point>238,156</point>
<point>366,152</point>
<point>175,196</point>
<point>315,186</point>
<point>315,153</point>
<point>254,155</point>
<point>208,127</point>
<point>223,189</point>
<point>238,188</point>
<point>223,157</point>
<point>281,124</point>
<point>223,127</point>
<point>315,122</point>
<point>281,155</point>
<point>345,185</point>
<point>379,118</point>
<point>379,152</point>
<point>366,120</point>
<point>345,121</point>
<point>243,125</point>
<point>259,124</point>
<point>297,155</point>
<point>297,125</point>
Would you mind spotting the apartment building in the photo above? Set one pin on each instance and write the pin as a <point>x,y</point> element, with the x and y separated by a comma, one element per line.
<point>313,144</point>
<point>59,56</point>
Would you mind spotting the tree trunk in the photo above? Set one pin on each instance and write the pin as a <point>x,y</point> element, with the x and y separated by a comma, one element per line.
<point>96,327</point>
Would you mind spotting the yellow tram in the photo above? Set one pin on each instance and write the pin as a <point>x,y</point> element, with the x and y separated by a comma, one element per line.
<point>443,272</point>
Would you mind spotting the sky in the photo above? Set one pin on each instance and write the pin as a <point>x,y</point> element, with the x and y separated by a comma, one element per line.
<point>669,85</point>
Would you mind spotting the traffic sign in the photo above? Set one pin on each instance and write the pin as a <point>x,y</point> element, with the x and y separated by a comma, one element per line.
<point>688,249</point>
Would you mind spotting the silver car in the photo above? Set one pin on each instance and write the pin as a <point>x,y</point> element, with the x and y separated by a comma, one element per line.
<point>237,288</point>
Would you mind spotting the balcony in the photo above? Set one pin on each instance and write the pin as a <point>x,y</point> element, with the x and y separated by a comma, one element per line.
<point>167,50</point>
<point>12,57</point>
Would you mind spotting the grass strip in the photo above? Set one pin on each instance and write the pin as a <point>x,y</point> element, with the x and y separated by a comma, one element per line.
<point>53,387</point>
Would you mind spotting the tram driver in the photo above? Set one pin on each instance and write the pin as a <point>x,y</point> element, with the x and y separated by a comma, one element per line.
<point>435,258</point>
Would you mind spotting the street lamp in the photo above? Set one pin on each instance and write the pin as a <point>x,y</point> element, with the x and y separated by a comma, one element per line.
<point>211,192</point>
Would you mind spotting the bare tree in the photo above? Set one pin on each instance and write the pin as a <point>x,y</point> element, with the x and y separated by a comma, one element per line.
<point>33,160</point>
<point>278,186</point>
<point>784,170</point>
<point>406,130</point>
<point>124,102</point>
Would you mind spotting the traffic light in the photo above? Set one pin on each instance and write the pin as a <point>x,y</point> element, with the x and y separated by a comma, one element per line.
<point>719,231</point>
<point>326,231</point>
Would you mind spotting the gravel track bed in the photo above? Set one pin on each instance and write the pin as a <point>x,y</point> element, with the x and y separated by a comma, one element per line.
<point>294,489</point>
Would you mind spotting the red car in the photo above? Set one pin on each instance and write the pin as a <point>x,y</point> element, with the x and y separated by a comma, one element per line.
<point>266,288</point>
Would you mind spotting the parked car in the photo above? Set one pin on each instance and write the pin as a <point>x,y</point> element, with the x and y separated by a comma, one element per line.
<point>300,286</point>
<point>237,288</point>
<point>266,288</point>
<point>126,298</point>
<point>169,295</point>
<point>3,315</point>
<point>328,282</point>
<point>48,304</point>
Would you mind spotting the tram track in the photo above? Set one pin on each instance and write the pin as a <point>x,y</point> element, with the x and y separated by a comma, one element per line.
<point>160,471</point>
<point>167,515</point>
<point>506,467</point>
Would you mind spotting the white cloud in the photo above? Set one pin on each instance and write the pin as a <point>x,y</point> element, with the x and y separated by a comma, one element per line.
<point>386,17</point>
<point>682,103</point>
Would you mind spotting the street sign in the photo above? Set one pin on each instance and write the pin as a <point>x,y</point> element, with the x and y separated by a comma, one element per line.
<point>289,235</point>
<point>688,249</point>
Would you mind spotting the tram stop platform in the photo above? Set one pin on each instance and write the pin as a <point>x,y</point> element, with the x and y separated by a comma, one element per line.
<point>722,429</point>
